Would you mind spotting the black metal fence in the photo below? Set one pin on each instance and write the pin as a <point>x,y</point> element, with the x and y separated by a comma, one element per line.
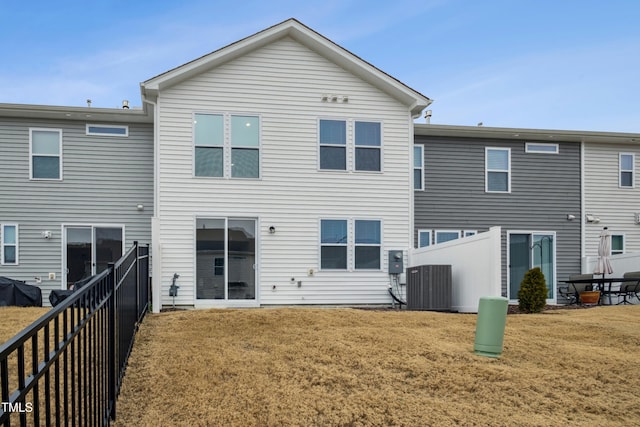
<point>67,367</point>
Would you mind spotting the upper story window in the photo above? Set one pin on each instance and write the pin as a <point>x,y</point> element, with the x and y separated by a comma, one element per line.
<point>333,144</point>
<point>541,148</point>
<point>245,147</point>
<point>9,247</point>
<point>208,136</point>
<point>627,168</point>
<point>336,148</point>
<point>418,167</point>
<point>617,244</point>
<point>497,170</point>
<point>45,151</point>
<point>368,146</point>
<point>107,130</point>
<point>336,244</point>
<point>211,141</point>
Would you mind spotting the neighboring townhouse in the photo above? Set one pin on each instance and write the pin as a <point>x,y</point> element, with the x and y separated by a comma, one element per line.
<point>526,181</point>
<point>284,174</point>
<point>611,192</point>
<point>77,190</point>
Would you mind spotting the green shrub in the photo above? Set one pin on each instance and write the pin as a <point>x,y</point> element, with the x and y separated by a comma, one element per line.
<point>533,291</point>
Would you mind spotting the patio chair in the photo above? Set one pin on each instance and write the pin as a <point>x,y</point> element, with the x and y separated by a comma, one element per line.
<point>572,291</point>
<point>630,289</point>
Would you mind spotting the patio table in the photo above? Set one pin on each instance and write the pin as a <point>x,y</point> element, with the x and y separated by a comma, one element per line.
<point>601,282</point>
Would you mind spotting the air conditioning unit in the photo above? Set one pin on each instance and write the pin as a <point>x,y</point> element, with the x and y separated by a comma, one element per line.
<point>429,288</point>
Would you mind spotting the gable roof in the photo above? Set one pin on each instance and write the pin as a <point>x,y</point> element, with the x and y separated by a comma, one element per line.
<point>307,37</point>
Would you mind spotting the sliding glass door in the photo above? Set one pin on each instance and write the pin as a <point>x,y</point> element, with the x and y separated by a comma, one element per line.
<point>90,249</point>
<point>529,250</point>
<point>225,258</point>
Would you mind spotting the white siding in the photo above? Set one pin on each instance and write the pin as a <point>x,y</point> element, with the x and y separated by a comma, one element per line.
<point>604,199</point>
<point>283,83</point>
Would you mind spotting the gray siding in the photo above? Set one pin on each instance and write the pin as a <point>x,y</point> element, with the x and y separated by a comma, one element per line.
<point>544,189</point>
<point>104,179</point>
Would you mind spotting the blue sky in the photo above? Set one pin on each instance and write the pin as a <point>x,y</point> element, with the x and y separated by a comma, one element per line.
<point>545,64</point>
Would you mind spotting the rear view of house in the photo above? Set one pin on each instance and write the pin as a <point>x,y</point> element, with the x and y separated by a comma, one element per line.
<point>77,190</point>
<point>284,174</point>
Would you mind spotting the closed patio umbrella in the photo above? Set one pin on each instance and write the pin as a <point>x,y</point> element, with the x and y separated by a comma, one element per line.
<point>603,266</point>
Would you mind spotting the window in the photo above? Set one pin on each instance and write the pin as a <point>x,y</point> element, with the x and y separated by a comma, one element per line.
<point>367,245</point>
<point>446,235</point>
<point>424,238</point>
<point>627,166</point>
<point>336,245</point>
<point>245,147</point>
<point>541,148</point>
<point>418,167</point>
<point>333,144</point>
<point>45,147</point>
<point>368,145</point>
<point>9,249</point>
<point>333,242</point>
<point>362,150</point>
<point>617,244</point>
<point>107,130</point>
<point>468,233</point>
<point>497,170</point>
<point>210,144</point>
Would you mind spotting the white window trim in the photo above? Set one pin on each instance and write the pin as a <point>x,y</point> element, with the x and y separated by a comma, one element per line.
<point>422,185</point>
<point>425,231</point>
<point>3,244</point>
<point>226,146</point>
<point>59,131</point>
<point>624,243</point>
<point>529,147</point>
<point>380,148</point>
<point>487,170</point>
<point>93,125</point>
<point>379,245</point>
<point>350,145</point>
<point>632,170</point>
<point>347,163</point>
<point>436,232</point>
<point>350,244</point>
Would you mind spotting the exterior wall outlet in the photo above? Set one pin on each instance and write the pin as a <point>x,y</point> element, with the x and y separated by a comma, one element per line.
<point>311,272</point>
<point>52,276</point>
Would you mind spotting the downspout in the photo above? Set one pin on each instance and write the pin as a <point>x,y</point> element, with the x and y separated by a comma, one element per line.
<point>582,210</point>
<point>156,255</point>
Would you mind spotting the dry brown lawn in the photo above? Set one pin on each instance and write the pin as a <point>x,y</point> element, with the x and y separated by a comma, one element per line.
<point>15,319</point>
<point>349,367</point>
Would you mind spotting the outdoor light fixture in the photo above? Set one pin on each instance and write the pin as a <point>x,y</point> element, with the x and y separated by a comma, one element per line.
<point>272,230</point>
<point>592,218</point>
<point>140,207</point>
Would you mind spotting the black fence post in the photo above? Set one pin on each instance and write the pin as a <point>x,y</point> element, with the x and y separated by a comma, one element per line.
<point>112,342</point>
<point>135,244</point>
